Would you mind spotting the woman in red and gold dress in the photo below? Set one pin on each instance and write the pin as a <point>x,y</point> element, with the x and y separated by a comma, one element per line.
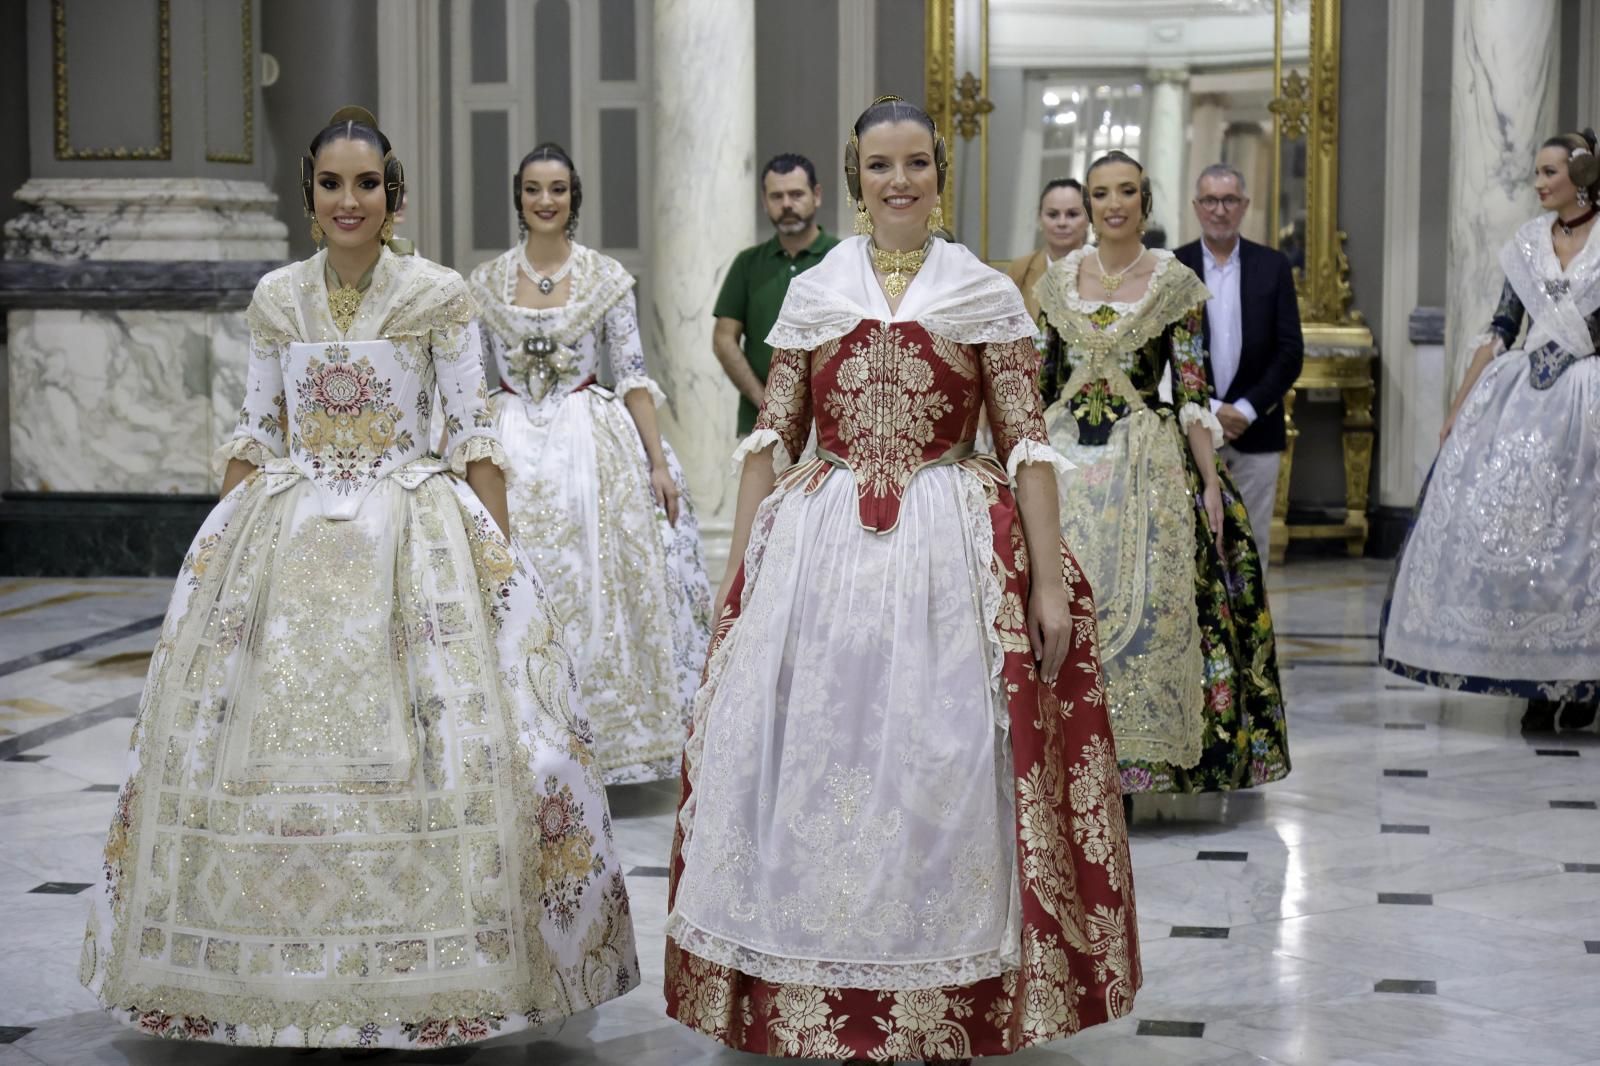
<point>900,834</point>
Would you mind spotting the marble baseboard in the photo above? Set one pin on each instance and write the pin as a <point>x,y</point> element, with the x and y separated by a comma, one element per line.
<point>93,535</point>
<point>122,401</point>
<point>74,219</point>
<point>147,285</point>
<point>1426,325</point>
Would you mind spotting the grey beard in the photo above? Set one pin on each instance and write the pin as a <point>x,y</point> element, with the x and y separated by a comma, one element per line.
<point>804,222</point>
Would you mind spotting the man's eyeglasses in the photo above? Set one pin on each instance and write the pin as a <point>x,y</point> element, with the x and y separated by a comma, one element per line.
<point>1211,203</point>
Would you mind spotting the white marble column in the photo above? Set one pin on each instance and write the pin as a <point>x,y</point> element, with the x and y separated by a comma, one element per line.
<point>1502,105</point>
<point>1164,146</point>
<point>705,131</point>
<point>1208,120</point>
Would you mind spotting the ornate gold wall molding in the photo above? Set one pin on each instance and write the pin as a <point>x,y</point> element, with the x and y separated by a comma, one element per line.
<point>939,83</point>
<point>1325,295</point>
<point>63,115</point>
<point>247,64</point>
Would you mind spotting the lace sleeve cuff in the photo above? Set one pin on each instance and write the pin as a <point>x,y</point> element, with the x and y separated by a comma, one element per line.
<point>757,441</point>
<point>640,381</point>
<point>475,448</point>
<point>1032,451</point>
<point>249,449</point>
<point>1192,413</point>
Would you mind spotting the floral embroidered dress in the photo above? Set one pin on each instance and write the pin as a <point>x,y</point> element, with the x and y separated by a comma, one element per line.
<point>363,808</point>
<point>1497,589</point>
<point>1185,635</point>
<point>631,586</point>
<point>894,840</point>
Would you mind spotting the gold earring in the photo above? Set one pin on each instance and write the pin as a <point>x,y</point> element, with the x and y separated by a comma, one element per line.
<point>316,231</point>
<point>863,220</point>
<point>936,218</point>
<point>386,231</point>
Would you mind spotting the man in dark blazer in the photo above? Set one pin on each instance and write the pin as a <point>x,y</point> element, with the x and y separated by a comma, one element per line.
<point>1253,342</point>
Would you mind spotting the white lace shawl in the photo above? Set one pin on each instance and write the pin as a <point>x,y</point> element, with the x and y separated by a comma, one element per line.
<point>1558,301</point>
<point>954,295</point>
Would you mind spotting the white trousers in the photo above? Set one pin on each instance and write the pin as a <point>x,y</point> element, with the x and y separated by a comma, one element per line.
<point>1256,474</point>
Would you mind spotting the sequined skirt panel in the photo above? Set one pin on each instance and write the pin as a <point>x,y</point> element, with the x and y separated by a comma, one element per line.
<point>363,808</point>
<point>630,587</point>
<point>1498,586</point>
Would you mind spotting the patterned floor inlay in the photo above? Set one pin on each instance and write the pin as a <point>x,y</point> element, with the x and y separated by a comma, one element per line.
<point>1406,899</point>
<point>61,888</point>
<point>1223,856</point>
<point>1415,830</point>
<point>1150,1027</point>
<point>1408,988</point>
<point>1200,932</point>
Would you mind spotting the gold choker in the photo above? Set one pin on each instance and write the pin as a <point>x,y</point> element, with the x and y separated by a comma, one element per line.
<point>898,268</point>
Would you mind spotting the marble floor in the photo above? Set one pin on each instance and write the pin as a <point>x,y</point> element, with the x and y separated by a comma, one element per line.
<point>1423,888</point>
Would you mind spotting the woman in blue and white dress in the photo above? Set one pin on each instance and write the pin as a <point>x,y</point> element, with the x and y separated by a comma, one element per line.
<point>362,807</point>
<point>596,495</point>
<point>1497,589</point>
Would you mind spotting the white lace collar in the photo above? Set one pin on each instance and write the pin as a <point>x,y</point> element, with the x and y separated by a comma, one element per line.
<point>1558,301</point>
<point>954,295</point>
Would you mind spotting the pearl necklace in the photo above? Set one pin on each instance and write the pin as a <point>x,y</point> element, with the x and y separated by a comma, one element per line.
<point>1112,282</point>
<point>546,285</point>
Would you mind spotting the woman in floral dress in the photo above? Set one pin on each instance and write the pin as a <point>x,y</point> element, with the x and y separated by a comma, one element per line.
<point>900,834</point>
<point>596,495</point>
<point>1186,638</point>
<point>362,807</point>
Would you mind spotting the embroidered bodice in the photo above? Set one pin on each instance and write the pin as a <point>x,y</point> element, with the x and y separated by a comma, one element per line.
<point>1561,306</point>
<point>891,398</point>
<point>543,355</point>
<point>347,410</point>
<point>1106,358</point>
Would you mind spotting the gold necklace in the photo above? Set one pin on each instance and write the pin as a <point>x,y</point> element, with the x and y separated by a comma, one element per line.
<point>344,301</point>
<point>1112,282</point>
<point>898,268</point>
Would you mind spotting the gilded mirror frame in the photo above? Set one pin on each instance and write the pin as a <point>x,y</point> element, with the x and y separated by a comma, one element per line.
<point>1311,108</point>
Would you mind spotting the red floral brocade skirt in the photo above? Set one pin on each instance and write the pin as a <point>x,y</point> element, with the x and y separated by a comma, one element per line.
<point>1079,955</point>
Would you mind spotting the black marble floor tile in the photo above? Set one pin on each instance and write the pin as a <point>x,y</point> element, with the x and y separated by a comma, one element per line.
<point>61,651</point>
<point>1409,899</point>
<point>1573,805</point>
<point>1151,1027</point>
<point>1581,867</point>
<point>60,888</point>
<point>1200,932</point>
<point>1409,988</point>
<point>103,788</point>
<point>10,1034</point>
<point>1405,773</point>
<point>1558,752</point>
<point>1405,688</point>
<point>26,758</point>
<point>1592,946</point>
<point>649,871</point>
<point>1414,726</point>
<point>1417,830</point>
<point>1223,856</point>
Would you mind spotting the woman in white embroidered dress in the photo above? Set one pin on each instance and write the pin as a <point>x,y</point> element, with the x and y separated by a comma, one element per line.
<point>1497,589</point>
<point>596,496</point>
<point>900,834</point>
<point>363,809</point>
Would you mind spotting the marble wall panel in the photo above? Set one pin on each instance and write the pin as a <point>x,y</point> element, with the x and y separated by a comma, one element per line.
<point>121,401</point>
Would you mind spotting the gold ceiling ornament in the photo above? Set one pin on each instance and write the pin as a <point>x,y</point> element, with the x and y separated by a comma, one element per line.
<point>970,105</point>
<point>1293,105</point>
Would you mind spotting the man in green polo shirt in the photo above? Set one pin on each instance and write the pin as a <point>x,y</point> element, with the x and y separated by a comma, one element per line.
<point>753,292</point>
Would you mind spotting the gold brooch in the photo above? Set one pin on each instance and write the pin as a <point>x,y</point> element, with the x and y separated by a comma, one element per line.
<point>898,268</point>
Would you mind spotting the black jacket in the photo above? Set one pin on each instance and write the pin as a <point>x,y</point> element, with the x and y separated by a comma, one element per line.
<point>1272,347</point>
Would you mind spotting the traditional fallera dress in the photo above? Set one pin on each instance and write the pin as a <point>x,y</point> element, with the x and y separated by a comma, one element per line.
<point>363,808</point>
<point>1185,635</point>
<point>1497,589</point>
<point>895,841</point>
<point>631,586</point>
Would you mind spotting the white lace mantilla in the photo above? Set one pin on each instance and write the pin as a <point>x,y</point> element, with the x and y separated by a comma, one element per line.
<point>955,295</point>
